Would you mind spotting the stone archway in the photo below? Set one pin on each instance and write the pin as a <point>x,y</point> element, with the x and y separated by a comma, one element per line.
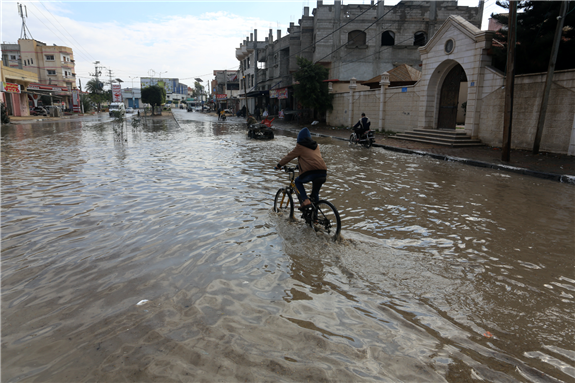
<point>444,79</point>
<point>449,98</point>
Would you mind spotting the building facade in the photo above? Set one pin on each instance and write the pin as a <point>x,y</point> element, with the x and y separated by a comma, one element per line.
<point>14,94</point>
<point>352,41</point>
<point>175,90</point>
<point>52,65</point>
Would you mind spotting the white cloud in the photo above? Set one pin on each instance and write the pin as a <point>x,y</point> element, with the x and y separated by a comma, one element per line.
<point>186,46</point>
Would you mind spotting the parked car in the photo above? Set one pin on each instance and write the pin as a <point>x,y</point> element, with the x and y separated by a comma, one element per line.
<point>38,111</point>
<point>129,110</point>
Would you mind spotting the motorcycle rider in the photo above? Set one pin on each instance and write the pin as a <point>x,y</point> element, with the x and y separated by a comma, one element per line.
<point>362,126</point>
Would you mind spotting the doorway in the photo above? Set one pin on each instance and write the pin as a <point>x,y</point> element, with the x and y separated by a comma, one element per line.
<point>449,98</point>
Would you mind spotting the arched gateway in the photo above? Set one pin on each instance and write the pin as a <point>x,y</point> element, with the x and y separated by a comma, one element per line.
<point>449,98</point>
<point>454,61</point>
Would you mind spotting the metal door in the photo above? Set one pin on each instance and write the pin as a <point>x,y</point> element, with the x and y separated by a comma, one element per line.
<point>449,98</point>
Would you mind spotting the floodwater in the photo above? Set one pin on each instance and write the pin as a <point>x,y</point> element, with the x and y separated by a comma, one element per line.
<point>155,256</point>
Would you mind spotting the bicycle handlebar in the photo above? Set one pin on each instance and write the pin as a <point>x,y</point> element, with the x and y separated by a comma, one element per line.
<point>288,169</point>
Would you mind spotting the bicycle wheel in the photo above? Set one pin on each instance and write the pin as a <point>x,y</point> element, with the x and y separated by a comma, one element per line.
<point>326,219</point>
<point>283,203</point>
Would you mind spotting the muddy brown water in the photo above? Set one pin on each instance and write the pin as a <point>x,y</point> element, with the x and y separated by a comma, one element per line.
<point>157,257</point>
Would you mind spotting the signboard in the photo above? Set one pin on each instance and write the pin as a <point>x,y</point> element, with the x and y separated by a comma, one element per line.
<point>279,93</point>
<point>221,96</point>
<point>166,83</point>
<point>116,92</point>
<point>10,87</point>
<point>76,101</point>
<point>54,88</point>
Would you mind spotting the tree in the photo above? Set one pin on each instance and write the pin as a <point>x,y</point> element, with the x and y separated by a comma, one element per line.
<point>535,32</point>
<point>312,91</point>
<point>86,102</point>
<point>96,91</point>
<point>198,90</point>
<point>154,95</point>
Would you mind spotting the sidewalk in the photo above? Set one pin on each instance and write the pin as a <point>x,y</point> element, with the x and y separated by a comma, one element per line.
<point>18,120</point>
<point>556,167</point>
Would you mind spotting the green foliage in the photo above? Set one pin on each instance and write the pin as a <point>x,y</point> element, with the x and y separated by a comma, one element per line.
<point>198,89</point>
<point>116,114</point>
<point>312,92</point>
<point>96,92</point>
<point>154,95</point>
<point>535,33</point>
<point>5,117</point>
<point>86,102</point>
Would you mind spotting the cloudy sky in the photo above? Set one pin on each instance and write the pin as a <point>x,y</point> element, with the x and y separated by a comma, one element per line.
<point>179,39</point>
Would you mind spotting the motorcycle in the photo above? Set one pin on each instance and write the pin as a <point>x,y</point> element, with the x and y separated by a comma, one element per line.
<point>367,139</point>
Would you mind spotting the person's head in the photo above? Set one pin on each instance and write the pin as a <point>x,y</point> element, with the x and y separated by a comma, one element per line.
<point>363,115</point>
<point>303,134</point>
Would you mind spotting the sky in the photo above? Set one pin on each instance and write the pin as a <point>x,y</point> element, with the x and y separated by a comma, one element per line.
<point>184,39</point>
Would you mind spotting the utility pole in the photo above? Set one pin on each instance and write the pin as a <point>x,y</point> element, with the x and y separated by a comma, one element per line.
<point>509,81</point>
<point>549,80</point>
<point>110,75</point>
<point>97,73</point>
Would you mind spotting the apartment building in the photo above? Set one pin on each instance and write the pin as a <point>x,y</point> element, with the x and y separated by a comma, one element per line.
<point>52,65</point>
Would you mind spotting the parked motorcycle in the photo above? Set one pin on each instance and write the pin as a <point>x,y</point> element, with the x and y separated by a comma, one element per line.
<point>367,139</point>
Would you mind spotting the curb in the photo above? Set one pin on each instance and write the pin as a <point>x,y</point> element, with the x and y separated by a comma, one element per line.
<point>563,178</point>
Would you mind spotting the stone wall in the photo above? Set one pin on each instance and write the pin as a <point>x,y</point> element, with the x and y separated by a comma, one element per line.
<point>401,108</point>
<point>528,94</point>
<point>399,112</point>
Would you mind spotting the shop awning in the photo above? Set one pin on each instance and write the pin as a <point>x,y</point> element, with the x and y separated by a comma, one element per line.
<point>257,93</point>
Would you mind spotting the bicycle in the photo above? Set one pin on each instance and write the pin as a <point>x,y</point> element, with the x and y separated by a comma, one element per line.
<point>321,215</point>
<point>366,141</point>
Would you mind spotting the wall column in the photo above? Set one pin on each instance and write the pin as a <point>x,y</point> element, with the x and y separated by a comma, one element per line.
<point>571,150</point>
<point>383,83</point>
<point>328,113</point>
<point>352,87</point>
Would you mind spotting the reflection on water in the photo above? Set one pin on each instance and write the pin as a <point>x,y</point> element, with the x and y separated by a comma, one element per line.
<point>157,257</point>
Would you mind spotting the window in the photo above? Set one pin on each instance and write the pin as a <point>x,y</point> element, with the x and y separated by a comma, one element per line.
<point>356,38</point>
<point>387,38</point>
<point>51,72</point>
<point>420,39</point>
<point>49,57</point>
<point>12,57</point>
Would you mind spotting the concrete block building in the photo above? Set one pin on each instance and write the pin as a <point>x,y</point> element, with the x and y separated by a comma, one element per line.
<point>357,41</point>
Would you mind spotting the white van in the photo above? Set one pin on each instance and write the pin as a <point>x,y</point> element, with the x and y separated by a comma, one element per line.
<point>117,106</point>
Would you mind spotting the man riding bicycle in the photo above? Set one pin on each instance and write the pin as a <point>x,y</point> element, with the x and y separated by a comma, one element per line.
<point>312,168</point>
<point>362,126</point>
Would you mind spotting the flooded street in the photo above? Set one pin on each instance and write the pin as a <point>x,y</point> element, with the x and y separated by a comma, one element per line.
<point>157,257</point>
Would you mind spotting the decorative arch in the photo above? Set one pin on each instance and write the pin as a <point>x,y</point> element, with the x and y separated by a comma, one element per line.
<point>388,38</point>
<point>433,92</point>
<point>356,38</point>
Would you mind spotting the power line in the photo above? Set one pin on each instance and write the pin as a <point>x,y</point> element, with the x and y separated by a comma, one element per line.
<point>56,28</point>
<point>79,45</point>
<point>369,26</point>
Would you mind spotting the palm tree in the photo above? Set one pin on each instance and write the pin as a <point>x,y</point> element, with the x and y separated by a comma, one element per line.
<point>96,90</point>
